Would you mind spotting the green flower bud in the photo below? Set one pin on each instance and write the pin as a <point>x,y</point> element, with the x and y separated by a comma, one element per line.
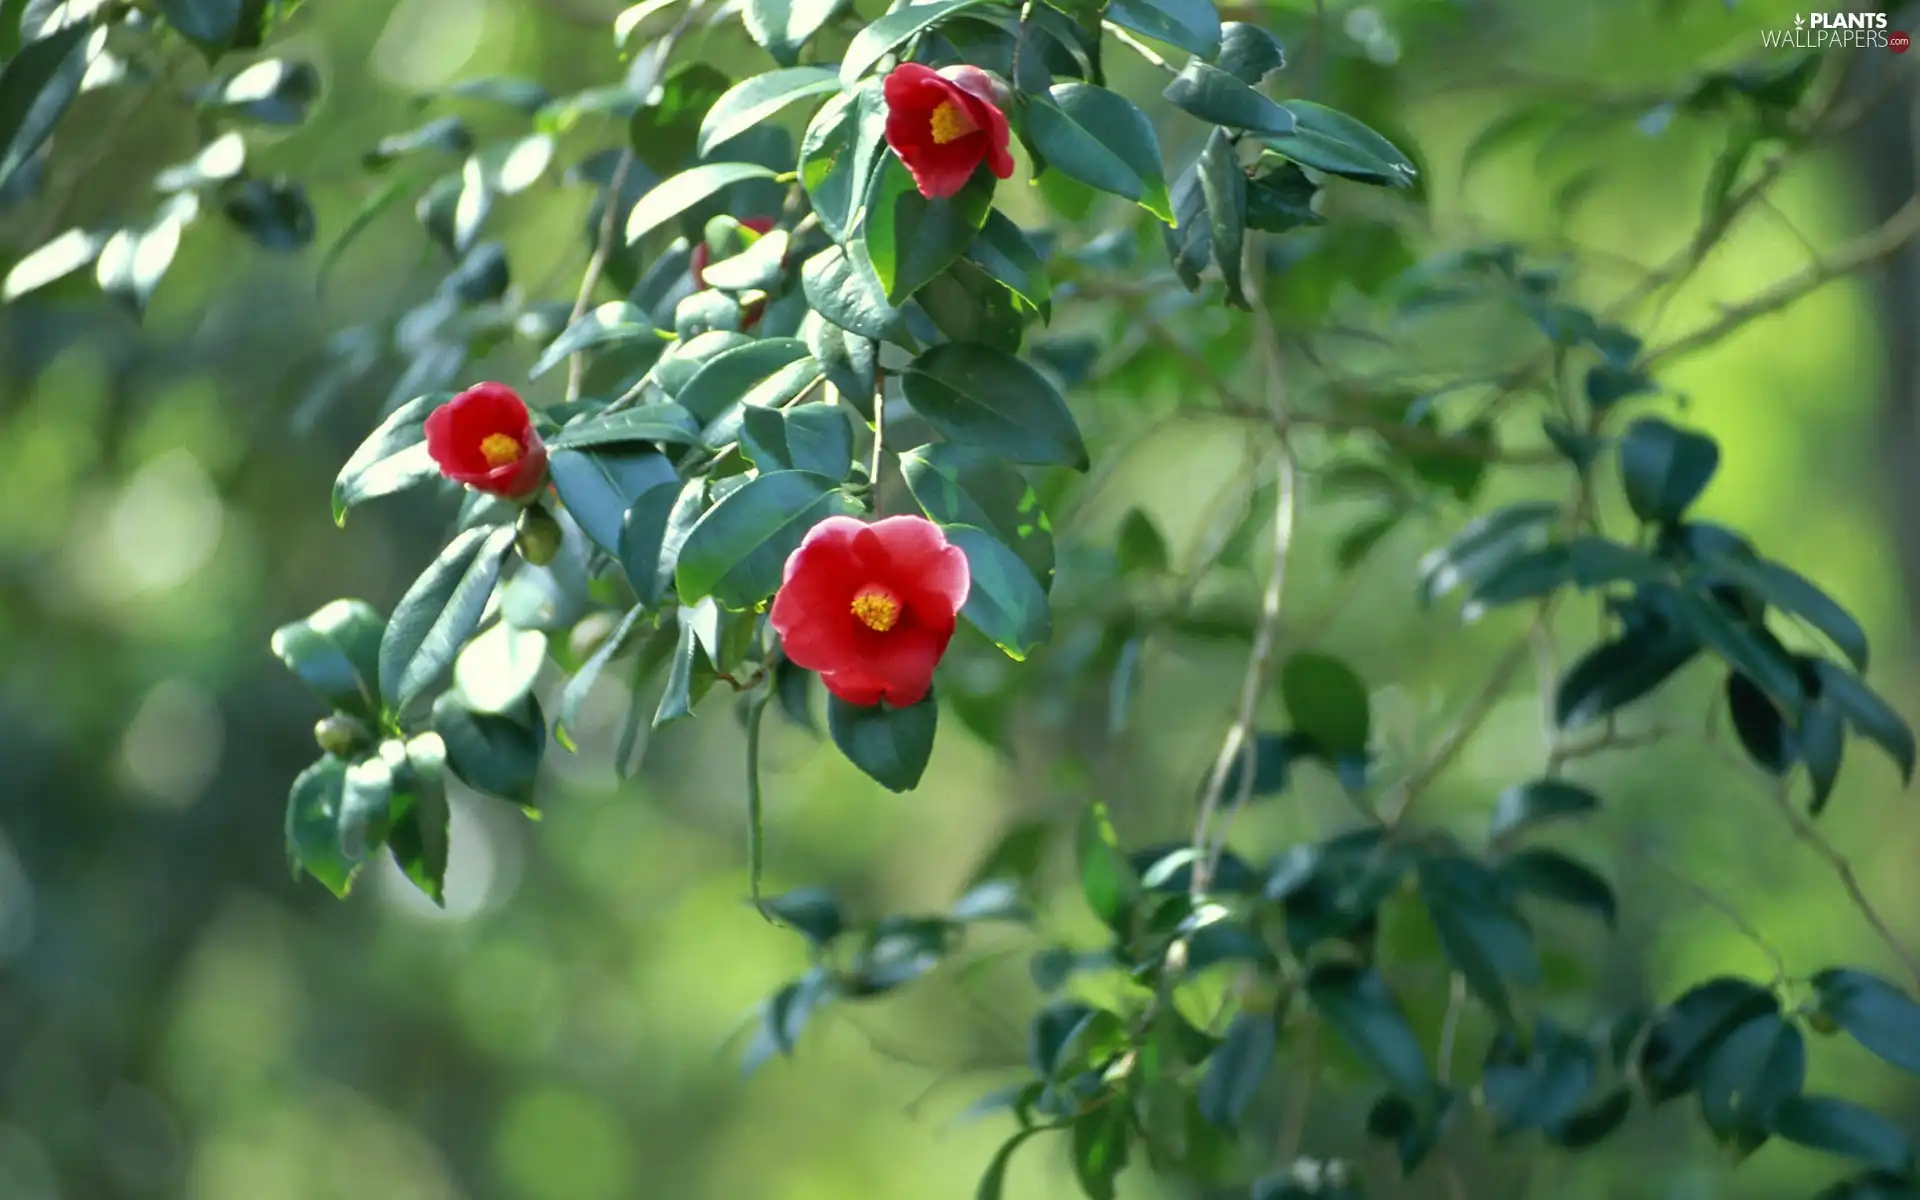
<point>341,736</point>
<point>539,535</point>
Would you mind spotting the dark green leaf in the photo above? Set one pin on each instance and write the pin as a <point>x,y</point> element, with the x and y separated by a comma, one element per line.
<point>313,825</point>
<point>879,38</point>
<point>1615,674</point>
<point>433,620</point>
<point>1220,98</point>
<point>273,91</point>
<point>1327,701</point>
<point>1107,880</point>
<point>1237,1069</point>
<point>1842,1127</point>
<point>1875,1013</point>
<point>737,551</point>
<point>1692,1027</point>
<point>781,27</point>
<point>1746,1079</point>
<point>1249,53</point>
<point>1593,1123</point>
<point>1224,188</point>
<point>448,135</point>
<point>1099,1141</point>
<point>598,485</point>
<point>1139,544</point>
<point>847,358</point>
<point>678,193</point>
<point>1552,875</point>
<point>1822,737</point>
<point>752,101</point>
<point>1003,250</point>
<point>615,323</point>
<point>1356,1001</point>
<point>651,424</point>
<point>816,438</point>
<point>1005,602</point>
<point>890,745</point>
<point>418,839</point>
<point>651,534</point>
<point>993,1183</point>
<point>838,152</point>
<point>1098,137</point>
<point>496,753</point>
<point>1525,805</point>
<point>1484,938</point>
<point>336,652</point>
<point>1791,592</point>
<point>1762,730</point>
<point>1586,562</point>
<point>1273,757</point>
<point>966,304</point>
<point>1870,716</point>
<point>1483,546</point>
<point>1874,1185</point>
<point>841,287</point>
<point>986,397</point>
<point>1747,649</point>
<point>1664,469</point>
<point>1338,144</point>
<point>664,133</point>
<point>276,214</point>
<point>1192,25</point>
<point>36,87</point>
<point>588,673</point>
<point>956,484</point>
<point>1280,198</point>
<point>911,239</point>
<point>812,910</point>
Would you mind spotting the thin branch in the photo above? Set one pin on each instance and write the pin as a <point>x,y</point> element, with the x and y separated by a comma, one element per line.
<point>1724,907</point>
<point>1239,742</point>
<point>1867,250</point>
<point>1139,47</point>
<point>596,266</point>
<point>1478,709</point>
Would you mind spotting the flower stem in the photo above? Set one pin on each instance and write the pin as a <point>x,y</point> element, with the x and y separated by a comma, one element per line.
<point>756,836</point>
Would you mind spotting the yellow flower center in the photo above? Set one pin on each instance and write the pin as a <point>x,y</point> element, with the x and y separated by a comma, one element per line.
<point>499,449</point>
<point>877,608</point>
<point>951,123</point>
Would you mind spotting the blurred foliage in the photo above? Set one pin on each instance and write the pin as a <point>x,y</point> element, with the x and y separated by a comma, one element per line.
<point>303,217</point>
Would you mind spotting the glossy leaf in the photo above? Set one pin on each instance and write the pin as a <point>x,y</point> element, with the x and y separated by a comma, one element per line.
<point>432,622</point>
<point>1552,875</point>
<point>1525,805</point>
<point>911,239</point>
<point>336,652</point>
<point>1843,1128</point>
<point>987,398</point>
<point>1099,138</point>
<point>1327,702</point>
<point>598,484</point>
<point>1357,1002</point>
<point>1332,141</point>
<point>890,745</point>
<point>313,825</point>
<point>1664,469</point>
<point>676,194</point>
<point>957,484</point>
<point>737,551</point>
<point>1004,601</point>
<point>36,87</point>
<point>1881,1017</point>
<point>1218,97</point>
<point>752,101</point>
<point>1192,25</point>
<point>879,38</point>
<point>1759,1067</point>
<point>1868,715</point>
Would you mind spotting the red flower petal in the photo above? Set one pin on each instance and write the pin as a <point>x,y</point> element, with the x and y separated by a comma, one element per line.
<point>914,93</point>
<point>461,432</point>
<point>841,559</point>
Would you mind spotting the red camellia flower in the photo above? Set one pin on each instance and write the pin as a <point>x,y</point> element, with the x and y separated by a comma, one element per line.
<point>944,124</point>
<point>871,607</point>
<point>484,438</point>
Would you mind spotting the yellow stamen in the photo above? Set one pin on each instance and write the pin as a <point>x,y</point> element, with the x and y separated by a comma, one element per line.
<point>951,123</point>
<point>877,608</point>
<point>499,449</point>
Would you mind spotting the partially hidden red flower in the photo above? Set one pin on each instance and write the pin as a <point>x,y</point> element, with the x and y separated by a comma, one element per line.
<point>697,262</point>
<point>944,124</point>
<point>871,607</point>
<point>484,438</point>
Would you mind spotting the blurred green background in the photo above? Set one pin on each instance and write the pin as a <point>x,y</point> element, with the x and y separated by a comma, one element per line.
<point>178,1018</point>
